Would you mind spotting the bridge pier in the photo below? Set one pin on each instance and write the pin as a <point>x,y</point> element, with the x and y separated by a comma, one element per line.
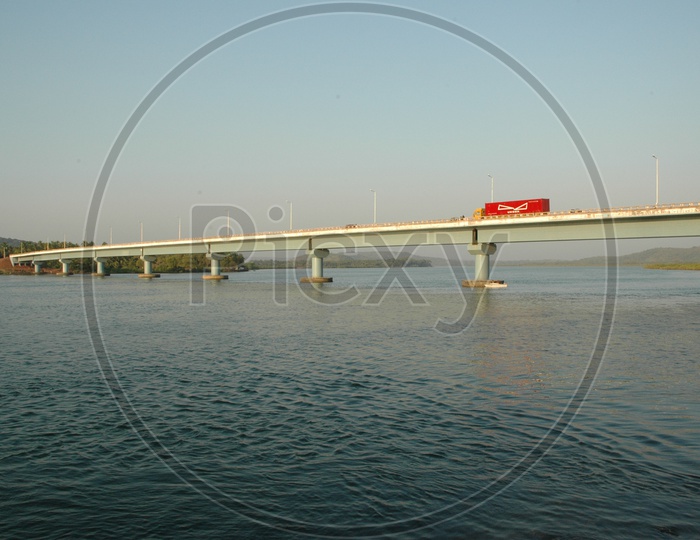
<point>317,256</point>
<point>148,267</point>
<point>100,270</point>
<point>482,267</point>
<point>65,268</point>
<point>215,267</point>
<point>37,268</point>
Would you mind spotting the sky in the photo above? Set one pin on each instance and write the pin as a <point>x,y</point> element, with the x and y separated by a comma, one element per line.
<point>311,114</point>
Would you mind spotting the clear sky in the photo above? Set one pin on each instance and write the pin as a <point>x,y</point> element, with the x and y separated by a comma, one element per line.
<point>320,110</point>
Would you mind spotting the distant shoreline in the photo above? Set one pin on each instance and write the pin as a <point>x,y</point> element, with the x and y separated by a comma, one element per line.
<point>673,266</point>
<point>652,259</point>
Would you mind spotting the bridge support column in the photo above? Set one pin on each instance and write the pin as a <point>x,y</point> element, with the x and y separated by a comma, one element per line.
<point>100,270</point>
<point>215,267</point>
<point>66,268</point>
<point>482,267</point>
<point>37,268</point>
<point>317,256</point>
<point>148,267</point>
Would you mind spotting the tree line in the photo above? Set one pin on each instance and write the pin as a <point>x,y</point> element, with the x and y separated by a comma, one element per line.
<point>125,265</point>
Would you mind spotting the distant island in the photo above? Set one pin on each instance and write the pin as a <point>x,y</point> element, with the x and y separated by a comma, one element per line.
<point>340,260</point>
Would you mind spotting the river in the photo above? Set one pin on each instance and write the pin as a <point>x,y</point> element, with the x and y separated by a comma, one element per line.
<point>256,407</point>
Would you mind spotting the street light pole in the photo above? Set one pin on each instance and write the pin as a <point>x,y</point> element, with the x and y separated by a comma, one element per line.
<point>291,215</point>
<point>375,205</point>
<point>179,228</point>
<point>141,225</point>
<point>491,177</point>
<point>657,178</point>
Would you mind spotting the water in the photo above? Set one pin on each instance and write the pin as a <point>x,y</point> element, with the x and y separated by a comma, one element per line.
<point>272,411</point>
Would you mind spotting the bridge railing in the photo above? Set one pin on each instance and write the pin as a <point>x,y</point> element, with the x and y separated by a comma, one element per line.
<point>353,226</point>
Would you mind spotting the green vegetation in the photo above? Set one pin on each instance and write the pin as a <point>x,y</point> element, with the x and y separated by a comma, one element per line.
<point>171,264</point>
<point>9,246</point>
<point>118,265</point>
<point>673,266</point>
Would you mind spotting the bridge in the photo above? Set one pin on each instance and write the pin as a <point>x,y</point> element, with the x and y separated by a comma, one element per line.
<point>480,235</point>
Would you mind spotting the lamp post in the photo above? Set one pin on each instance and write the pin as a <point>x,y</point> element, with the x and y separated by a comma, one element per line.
<point>291,215</point>
<point>179,228</point>
<point>657,178</point>
<point>491,177</point>
<point>375,205</point>
<point>141,225</point>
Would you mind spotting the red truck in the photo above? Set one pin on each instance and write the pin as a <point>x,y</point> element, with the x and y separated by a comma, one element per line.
<point>524,206</point>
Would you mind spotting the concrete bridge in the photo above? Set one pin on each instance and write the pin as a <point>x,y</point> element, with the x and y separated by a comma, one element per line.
<point>480,235</point>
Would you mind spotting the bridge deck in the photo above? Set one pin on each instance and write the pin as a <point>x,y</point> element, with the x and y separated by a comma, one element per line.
<point>672,220</point>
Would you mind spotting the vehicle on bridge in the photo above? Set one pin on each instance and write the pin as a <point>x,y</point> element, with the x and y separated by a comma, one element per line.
<point>509,208</point>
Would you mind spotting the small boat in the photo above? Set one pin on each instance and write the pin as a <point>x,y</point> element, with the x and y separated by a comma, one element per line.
<point>496,284</point>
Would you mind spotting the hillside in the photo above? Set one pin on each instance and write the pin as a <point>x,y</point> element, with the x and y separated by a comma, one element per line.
<point>12,242</point>
<point>654,256</point>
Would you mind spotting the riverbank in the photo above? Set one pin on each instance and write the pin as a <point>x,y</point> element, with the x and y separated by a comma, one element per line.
<point>7,269</point>
<point>673,266</point>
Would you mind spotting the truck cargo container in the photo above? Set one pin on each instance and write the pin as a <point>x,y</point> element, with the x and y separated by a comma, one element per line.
<point>524,206</point>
